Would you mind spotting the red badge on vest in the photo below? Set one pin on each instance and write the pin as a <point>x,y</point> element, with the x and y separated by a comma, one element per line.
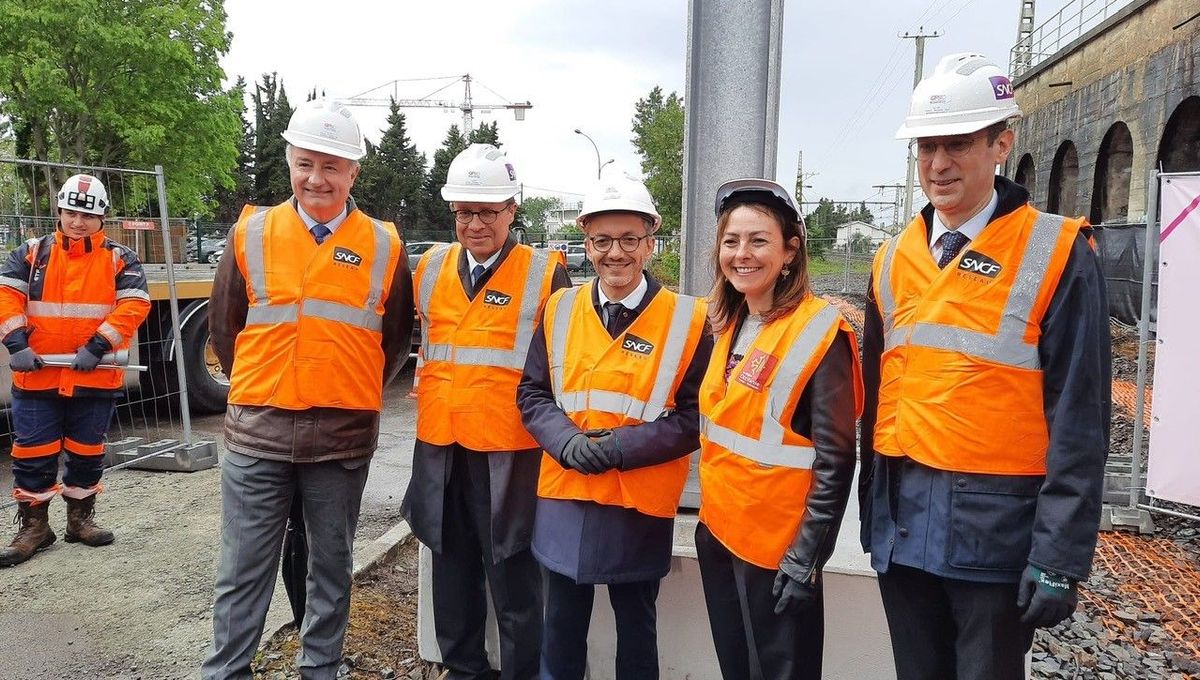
<point>757,369</point>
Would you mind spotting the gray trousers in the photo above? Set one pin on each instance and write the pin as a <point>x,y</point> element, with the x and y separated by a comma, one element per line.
<point>256,497</point>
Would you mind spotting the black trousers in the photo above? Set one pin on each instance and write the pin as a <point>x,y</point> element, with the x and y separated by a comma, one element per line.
<point>459,574</point>
<point>569,613</point>
<point>752,641</point>
<point>948,629</point>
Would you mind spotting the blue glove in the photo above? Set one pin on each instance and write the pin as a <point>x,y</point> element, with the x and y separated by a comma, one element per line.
<point>85,360</point>
<point>792,595</point>
<point>1046,597</point>
<point>24,361</point>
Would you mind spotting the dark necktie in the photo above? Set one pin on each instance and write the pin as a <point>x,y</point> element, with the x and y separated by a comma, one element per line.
<point>320,232</point>
<point>476,274</point>
<point>952,243</point>
<point>613,310</point>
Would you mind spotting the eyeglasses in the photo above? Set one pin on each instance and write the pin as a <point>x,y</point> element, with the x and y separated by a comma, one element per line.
<point>955,148</point>
<point>487,215</point>
<point>603,244</point>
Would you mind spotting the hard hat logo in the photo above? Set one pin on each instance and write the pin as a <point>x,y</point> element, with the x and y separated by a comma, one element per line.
<point>512,174</point>
<point>1002,86</point>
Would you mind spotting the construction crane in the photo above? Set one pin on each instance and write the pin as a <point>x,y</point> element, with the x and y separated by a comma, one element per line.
<point>468,105</point>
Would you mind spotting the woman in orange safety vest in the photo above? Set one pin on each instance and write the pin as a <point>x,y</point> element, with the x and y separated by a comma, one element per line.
<point>777,412</point>
<point>71,292</point>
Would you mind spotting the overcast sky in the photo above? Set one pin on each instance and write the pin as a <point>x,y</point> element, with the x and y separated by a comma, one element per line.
<point>584,64</point>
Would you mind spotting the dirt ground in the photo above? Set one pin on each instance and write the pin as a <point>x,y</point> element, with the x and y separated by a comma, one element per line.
<point>142,607</point>
<point>381,641</point>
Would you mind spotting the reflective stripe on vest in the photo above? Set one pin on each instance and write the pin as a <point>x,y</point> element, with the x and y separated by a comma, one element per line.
<point>482,356</point>
<point>614,402</point>
<point>67,310</point>
<point>13,323</point>
<point>264,312</point>
<point>15,284</point>
<point>1007,346</point>
<point>769,448</point>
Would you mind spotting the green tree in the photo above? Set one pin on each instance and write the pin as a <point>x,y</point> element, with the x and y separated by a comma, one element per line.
<point>391,182</point>
<point>487,133</point>
<point>434,215</point>
<point>658,139</point>
<point>271,115</point>
<point>535,213</point>
<point>115,82</point>
<point>228,201</point>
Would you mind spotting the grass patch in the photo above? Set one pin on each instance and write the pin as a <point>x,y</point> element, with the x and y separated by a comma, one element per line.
<point>823,266</point>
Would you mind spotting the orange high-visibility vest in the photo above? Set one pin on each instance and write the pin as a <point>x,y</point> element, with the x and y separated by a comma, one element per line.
<point>72,295</point>
<point>960,379</point>
<point>314,326</point>
<point>755,471</point>
<point>473,351</point>
<point>602,382</point>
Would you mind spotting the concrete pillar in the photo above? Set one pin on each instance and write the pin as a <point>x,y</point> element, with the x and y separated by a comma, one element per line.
<point>731,115</point>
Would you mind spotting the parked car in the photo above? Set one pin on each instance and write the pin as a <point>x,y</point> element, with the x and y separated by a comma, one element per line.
<point>208,252</point>
<point>418,248</point>
<point>577,259</point>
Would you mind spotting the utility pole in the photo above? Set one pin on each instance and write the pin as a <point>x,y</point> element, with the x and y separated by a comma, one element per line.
<point>801,178</point>
<point>918,73</point>
<point>896,203</point>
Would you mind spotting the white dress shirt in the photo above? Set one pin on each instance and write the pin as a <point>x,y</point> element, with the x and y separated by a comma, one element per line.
<point>971,228</point>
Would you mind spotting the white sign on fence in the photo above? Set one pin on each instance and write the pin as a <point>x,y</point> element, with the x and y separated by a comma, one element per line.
<point>1174,467</point>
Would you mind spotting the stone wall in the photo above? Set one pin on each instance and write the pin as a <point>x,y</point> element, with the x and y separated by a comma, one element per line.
<point>1134,69</point>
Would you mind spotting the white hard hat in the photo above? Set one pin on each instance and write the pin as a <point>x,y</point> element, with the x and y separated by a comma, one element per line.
<point>759,190</point>
<point>481,173</point>
<point>965,94</point>
<point>325,127</point>
<point>619,191</point>
<point>85,194</point>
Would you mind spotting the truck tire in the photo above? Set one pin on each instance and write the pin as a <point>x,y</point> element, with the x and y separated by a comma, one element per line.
<point>208,388</point>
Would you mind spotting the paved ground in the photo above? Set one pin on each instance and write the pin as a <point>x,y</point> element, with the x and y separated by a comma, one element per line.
<point>141,608</point>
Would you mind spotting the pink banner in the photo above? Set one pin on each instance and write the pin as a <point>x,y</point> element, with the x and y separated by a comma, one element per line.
<point>1174,465</point>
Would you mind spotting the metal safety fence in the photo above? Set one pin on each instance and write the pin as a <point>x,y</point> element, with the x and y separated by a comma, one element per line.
<point>152,425</point>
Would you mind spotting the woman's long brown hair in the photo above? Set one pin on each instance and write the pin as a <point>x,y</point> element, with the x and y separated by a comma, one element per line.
<point>726,303</point>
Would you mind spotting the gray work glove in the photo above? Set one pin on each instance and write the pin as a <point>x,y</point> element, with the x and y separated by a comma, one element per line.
<point>582,454</point>
<point>1047,598</point>
<point>607,441</point>
<point>85,360</point>
<point>792,595</point>
<point>24,361</point>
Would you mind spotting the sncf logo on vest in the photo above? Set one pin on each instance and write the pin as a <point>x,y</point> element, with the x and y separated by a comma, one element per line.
<point>494,297</point>
<point>346,256</point>
<point>633,343</point>
<point>979,264</point>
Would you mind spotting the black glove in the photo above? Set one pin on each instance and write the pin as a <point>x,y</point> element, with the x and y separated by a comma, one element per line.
<point>583,455</point>
<point>24,360</point>
<point>1047,598</point>
<point>607,441</point>
<point>793,595</point>
<point>85,360</point>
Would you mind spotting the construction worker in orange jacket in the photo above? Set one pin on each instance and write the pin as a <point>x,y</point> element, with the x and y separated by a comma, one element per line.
<point>777,411</point>
<point>986,361</point>
<point>474,477</point>
<point>71,292</point>
<point>609,391</point>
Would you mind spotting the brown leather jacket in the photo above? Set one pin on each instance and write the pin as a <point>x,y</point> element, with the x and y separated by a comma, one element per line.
<point>316,434</point>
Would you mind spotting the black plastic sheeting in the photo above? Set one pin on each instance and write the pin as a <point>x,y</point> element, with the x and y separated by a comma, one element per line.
<point>1121,248</point>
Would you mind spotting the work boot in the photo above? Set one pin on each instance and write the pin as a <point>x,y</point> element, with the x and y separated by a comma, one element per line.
<point>81,525</point>
<point>34,534</point>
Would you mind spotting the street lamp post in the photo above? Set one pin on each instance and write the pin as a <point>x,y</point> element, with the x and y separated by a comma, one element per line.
<point>595,148</point>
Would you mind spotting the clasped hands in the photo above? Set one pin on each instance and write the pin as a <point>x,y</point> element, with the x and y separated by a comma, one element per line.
<point>592,452</point>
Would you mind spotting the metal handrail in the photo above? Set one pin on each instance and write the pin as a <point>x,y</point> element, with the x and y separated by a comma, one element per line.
<point>1070,22</point>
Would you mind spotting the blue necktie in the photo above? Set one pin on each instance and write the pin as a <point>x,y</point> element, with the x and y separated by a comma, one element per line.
<point>614,311</point>
<point>476,273</point>
<point>952,243</point>
<point>320,232</point>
